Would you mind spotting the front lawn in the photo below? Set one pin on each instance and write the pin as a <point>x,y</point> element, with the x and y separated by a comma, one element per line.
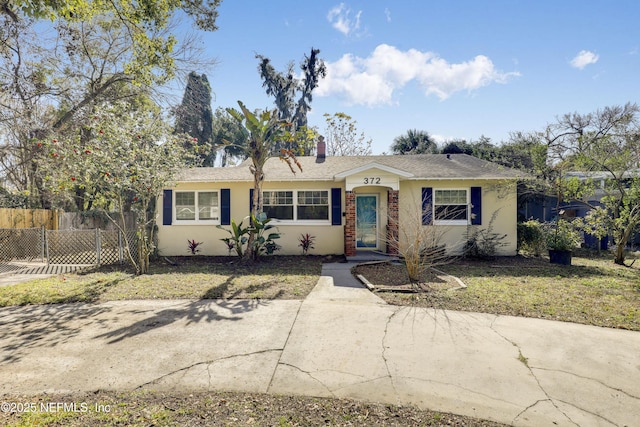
<point>593,291</point>
<point>277,277</point>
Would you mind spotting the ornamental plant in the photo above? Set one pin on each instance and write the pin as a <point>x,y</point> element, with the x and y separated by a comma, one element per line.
<point>237,239</point>
<point>562,235</point>
<point>193,246</point>
<point>263,242</point>
<point>306,242</point>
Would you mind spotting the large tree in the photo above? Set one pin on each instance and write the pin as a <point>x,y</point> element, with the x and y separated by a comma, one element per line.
<point>195,118</point>
<point>414,142</point>
<point>126,155</point>
<point>606,141</point>
<point>293,95</point>
<point>229,138</point>
<point>144,21</point>
<point>54,76</point>
<point>342,137</point>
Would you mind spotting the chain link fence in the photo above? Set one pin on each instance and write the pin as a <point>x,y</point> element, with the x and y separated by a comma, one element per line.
<point>86,247</point>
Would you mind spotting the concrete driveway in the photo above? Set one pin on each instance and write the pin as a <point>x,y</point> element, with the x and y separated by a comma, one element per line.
<point>341,341</point>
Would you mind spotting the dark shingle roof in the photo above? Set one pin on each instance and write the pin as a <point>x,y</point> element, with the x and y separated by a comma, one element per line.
<point>421,166</point>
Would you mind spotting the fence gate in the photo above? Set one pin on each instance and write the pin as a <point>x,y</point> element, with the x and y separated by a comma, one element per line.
<point>25,244</point>
<point>76,247</point>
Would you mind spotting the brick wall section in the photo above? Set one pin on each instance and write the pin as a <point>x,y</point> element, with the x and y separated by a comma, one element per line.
<point>392,222</point>
<point>350,224</point>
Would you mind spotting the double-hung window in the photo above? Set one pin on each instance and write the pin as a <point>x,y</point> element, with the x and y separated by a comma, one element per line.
<point>313,205</point>
<point>451,206</point>
<point>301,205</point>
<point>278,204</point>
<point>197,206</point>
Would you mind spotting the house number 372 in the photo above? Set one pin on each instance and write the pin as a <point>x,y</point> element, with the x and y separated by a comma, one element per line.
<point>372,180</point>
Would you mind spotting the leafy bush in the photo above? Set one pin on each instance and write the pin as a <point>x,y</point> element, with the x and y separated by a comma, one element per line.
<point>261,244</point>
<point>483,243</point>
<point>535,237</point>
<point>562,235</point>
<point>240,236</point>
<point>531,238</point>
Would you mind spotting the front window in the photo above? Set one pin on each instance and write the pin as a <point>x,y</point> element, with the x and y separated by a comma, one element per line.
<point>451,205</point>
<point>197,206</point>
<point>278,204</point>
<point>296,205</point>
<point>313,205</point>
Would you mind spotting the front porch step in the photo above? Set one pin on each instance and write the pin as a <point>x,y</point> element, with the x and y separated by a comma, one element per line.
<point>366,256</point>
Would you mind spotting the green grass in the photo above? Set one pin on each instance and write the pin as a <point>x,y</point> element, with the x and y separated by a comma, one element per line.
<point>592,291</point>
<point>195,278</point>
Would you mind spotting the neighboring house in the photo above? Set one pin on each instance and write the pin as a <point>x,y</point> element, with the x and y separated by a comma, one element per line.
<point>581,208</point>
<point>347,203</point>
<point>545,208</point>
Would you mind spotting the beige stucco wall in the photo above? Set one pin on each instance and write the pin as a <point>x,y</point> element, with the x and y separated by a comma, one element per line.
<point>497,198</point>
<point>172,239</point>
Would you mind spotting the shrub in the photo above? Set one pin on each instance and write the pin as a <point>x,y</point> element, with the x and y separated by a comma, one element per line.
<point>531,237</point>
<point>193,246</point>
<point>306,242</point>
<point>262,242</point>
<point>562,235</point>
<point>483,243</point>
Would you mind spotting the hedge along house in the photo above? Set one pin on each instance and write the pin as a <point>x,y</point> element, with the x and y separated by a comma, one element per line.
<point>348,203</point>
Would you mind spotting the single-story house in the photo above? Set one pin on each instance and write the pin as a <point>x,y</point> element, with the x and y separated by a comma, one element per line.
<point>348,204</point>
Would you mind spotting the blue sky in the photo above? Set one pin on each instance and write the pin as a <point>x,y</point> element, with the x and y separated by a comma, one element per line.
<point>456,69</point>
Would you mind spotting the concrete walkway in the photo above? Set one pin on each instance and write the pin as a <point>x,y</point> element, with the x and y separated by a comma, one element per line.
<point>12,272</point>
<point>341,341</point>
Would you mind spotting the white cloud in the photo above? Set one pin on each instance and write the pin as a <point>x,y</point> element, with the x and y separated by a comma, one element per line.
<point>340,18</point>
<point>441,139</point>
<point>387,13</point>
<point>584,58</point>
<point>374,80</point>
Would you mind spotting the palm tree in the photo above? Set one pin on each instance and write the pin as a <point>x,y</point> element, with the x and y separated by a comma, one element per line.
<point>414,142</point>
<point>263,130</point>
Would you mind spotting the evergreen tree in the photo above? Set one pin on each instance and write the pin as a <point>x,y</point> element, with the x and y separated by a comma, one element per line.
<point>194,117</point>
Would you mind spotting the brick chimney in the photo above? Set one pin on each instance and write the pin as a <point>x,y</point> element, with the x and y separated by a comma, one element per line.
<point>321,150</point>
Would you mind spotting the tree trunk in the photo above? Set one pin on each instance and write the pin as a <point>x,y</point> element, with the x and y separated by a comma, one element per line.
<point>249,254</point>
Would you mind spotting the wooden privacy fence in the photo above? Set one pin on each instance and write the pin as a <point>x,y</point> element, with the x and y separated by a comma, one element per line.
<point>29,218</point>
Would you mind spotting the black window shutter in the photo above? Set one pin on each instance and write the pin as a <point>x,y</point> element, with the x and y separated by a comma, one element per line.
<point>336,206</point>
<point>476,205</point>
<point>251,200</point>
<point>167,206</point>
<point>427,205</point>
<point>225,206</point>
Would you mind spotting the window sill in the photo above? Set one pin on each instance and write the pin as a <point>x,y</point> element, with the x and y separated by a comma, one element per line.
<point>300,222</point>
<point>451,222</point>
<point>194,222</point>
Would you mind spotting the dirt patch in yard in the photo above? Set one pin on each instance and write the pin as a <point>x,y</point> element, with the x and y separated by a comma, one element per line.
<point>225,409</point>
